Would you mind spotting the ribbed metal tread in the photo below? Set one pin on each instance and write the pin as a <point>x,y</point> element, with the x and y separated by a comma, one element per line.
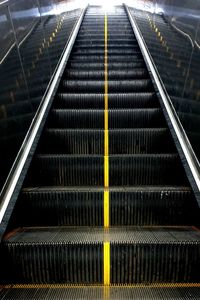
<point>68,255</point>
<point>98,74</point>
<point>116,101</point>
<point>101,58</point>
<point>117,86</point>
<point>125,170</point>
<point>130,189</point>
<point>118,118</point>
<point>101,41</point>
<point>100,65</point>
<point>88,141</point>
<point>98,35</point>
<point>82,206</point>
<point>111,46</point>
<point>138,292</point>
<point>97,51</point>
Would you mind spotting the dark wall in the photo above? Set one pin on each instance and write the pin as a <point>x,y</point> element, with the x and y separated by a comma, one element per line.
<point>33,34</point>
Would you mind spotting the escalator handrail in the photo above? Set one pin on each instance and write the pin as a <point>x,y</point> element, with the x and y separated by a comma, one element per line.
<point>186,152</point>
<point>13,181</point>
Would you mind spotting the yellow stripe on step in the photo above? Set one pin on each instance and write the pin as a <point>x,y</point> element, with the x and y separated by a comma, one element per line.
<point>106,129</point>
<point>106,263</point>
<point>106,208</point>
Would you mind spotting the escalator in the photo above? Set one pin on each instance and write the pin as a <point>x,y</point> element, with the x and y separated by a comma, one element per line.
<point>21,89</point>
<point>106,210</point>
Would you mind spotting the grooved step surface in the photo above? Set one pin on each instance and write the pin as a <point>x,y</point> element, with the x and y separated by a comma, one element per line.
<point>116,101</point>
<point>133,235</point>
<point>100,65</point>
<point>100,293</point>
<point>124,51</point>
<point>90,141</point>
<point>128,170</point>
<point>121,86</point>
<point>137,73</point>
<point>118,118</point>
<point>128,206</point>
<point>68,255</point>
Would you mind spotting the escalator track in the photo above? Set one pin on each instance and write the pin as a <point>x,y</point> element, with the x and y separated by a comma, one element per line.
<point>106,210</point>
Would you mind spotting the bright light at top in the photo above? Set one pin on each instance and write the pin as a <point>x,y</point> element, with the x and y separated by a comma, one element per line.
<point>108,4</point>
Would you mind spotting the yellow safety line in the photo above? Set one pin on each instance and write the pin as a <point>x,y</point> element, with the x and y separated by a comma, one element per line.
<point>106,245</point>
<point>106,263</point>
<point>106,133</point>
<point>106,208</point>
<point>106,293</point>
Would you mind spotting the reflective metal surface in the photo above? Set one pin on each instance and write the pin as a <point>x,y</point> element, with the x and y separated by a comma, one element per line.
<point>16,175</point>
<point>171,29</point>
<point>33,35</point>
<point>187,155</point>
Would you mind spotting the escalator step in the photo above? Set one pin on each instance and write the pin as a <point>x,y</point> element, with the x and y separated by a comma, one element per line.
<point>96,51</point>
<point>145,169</point>
<point>102,46</point>
<point>81,118</point>
<point>125,170</point>
<point>67,255</point>
<point>100,39</point>
<point>118,118</point>
<point>98,35</point>
<point>139,206</point>
<point>113,31</point>
<point>112,65</point>
<point>65,141</point>
<point>152,206</point>
<point>111,58</point>
<point>140,141</point>
<point>118,86</point>
<point>132,141</point>
<point>151,292</point>
<point>128,100</point>
<point>66,170</point>
<point>60,206</point>
<point>126,74</point>
<point>96,43</point>
<point>156,255</point>
<point>136,118</point>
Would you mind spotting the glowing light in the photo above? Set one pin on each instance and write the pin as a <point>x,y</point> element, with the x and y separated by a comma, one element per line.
<point>108,4</point>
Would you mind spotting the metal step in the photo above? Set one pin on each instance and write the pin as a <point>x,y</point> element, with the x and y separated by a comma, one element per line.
<point>111,58</point>
<point>132,206</point>
<point>97,101</point>
<point>97,51</point>
<point>100,74</point>
<point>89,141</point>
<point>136,292</point>
<point>125,170</point>
<point>118,118</point>
<point>100,65</point>
<point>75,256</point>
<point>117,86</point>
